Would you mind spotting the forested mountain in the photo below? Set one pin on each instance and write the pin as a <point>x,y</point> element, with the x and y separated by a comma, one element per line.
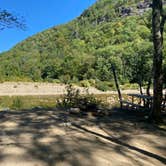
<point>111,32</point>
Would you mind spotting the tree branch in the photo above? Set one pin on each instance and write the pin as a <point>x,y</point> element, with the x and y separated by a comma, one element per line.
<point>10,20</point>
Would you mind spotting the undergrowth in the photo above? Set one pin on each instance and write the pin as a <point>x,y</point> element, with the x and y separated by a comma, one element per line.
<point>85,102</point>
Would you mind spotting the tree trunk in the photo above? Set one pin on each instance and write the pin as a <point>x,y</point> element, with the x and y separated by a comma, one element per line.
<point>157,59</point>
<point>148,92</point>
<point>140,88</point>
<point>141,92</point>
<point>164,101</point>
<point>117,85</point>
<point>148,86</point>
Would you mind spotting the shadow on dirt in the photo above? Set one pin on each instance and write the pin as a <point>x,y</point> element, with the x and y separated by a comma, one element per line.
<point>52,137</point>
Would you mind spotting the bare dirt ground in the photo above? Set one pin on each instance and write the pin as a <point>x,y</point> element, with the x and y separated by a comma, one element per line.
<point>56,138</point>
<point>28,88</point>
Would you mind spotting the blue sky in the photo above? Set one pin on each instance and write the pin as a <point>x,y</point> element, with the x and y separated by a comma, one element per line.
<point>39,15</point>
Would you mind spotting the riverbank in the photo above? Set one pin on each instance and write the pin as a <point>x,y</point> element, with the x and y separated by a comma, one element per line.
<point>37,88</point>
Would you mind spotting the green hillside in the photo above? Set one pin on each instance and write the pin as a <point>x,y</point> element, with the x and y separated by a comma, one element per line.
<point>85,48</point>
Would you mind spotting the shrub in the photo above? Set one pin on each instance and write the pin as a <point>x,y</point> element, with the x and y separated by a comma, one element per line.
<point>73,99</point>
<point>65,79</point>
<point>56,81</point>
<point>111,85</point>
<point>129,86</point>
<point>92,82</point>
<point>74,80</point>
<point>85,83</point>
<point>50,80</point>
<point>103,86</point>
<point>2,79</point>
<point>69,99</point>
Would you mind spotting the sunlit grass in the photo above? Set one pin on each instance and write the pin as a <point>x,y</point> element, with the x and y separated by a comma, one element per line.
<point>29,102</point>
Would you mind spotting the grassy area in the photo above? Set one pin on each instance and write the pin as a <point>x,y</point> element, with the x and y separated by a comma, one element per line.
<point>27,102</point>
<point>129,86</point>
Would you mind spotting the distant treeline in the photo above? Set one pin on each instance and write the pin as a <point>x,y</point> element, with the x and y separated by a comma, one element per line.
<point>85,49</point>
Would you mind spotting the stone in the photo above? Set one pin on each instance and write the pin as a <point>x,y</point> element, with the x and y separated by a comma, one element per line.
<point>74,110</point>
<point>5,109</point>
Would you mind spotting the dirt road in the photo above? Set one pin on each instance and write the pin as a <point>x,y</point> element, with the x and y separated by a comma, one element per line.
<point>54,138</point>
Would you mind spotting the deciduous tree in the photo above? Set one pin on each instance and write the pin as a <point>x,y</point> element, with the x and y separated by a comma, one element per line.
<point>158,21</point>
<point>10,20</point>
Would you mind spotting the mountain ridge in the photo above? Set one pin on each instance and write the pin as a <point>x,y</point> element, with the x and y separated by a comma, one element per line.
<point>84,48</point>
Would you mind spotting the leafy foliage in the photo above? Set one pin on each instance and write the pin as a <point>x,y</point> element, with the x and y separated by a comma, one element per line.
<point>10,20</point>
<point>86,102</point>
<point>84,49</point>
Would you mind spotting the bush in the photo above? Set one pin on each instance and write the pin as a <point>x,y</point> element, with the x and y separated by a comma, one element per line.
<point>56,81</point>
<point>69,99</point>
<point>2,79</point>
<point>129,86</point>
<point>85,83</point>
<point>74,80</point>
<point>66,79</point>
<point>92,82</point>
<point>111,85</point>
<point>103,86</point>
<point>50,80</point>
<point>86,102</point>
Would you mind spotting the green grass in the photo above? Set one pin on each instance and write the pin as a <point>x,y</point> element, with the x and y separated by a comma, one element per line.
<point>27,102</point>
<point>129,86</point>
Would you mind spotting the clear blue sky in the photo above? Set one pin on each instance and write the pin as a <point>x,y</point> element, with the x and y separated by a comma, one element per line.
<point>39,15</point>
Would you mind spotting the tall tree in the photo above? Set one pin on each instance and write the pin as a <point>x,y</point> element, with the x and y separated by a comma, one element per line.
<point>158,21</point>
<point>11,20</point>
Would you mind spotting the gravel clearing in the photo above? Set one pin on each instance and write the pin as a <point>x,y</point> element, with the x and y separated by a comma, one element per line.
<point>36,88</point>
<point>56,138</point>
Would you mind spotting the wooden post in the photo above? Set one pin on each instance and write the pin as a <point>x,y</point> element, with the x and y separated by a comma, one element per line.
<point>117,85</point>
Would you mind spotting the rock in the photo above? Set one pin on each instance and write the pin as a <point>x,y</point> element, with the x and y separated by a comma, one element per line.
<point>144,5</point>
<point>66,124</point>
<point>125,11</point>
<point>74,110</point>
<point>104,112</point>
<point>37,108</point>
<point>5,109</point>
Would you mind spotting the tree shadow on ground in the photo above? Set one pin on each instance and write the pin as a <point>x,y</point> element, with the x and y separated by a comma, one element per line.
<point>162,159</point>
<point>53,137</point>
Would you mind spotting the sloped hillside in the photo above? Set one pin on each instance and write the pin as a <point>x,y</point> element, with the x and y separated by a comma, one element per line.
<point>111,32</point>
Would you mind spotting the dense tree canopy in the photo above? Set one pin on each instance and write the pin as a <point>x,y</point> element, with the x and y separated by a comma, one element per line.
<point>81,50</point>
